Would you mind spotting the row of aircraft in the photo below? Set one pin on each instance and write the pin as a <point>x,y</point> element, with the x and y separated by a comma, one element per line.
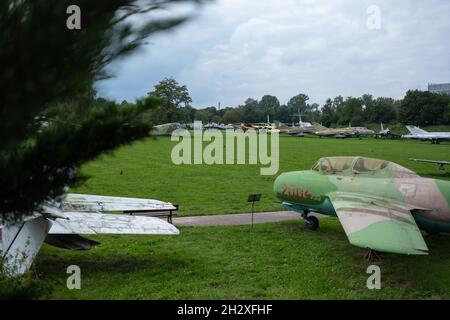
<point>321,131</point>
<point>302,129</point>
<point>340,133</point>
<point>305,128</point>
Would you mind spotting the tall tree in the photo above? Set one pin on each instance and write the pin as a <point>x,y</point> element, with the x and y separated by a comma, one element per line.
<point>410,110</point>
<point>381,110</point>
<point>434,110</point>
<point>268,106</point>
<point>173,95</point>
<point>232,116</point>
<point>446,117</point>
<point>207,115</point>
<point>423,108</point>
<point>47,66</point>
<point>249,111</point>
<point>298,103</point>
<point>352,112</point>
<point>330,115</point>
<point>338,104</point>
<point>313,112</point>
<point>283,114</point>
<point>269,102</point>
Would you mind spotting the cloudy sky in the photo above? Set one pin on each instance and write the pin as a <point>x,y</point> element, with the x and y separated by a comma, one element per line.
<point>235,49</point>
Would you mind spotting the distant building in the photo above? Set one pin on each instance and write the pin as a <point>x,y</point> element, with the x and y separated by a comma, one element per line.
<point>439,88</point>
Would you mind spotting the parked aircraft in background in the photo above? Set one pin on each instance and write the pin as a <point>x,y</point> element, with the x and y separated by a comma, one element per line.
<point>385,133</point>
<point>299,131</point>
<point>246,126</point>
<point>441,164</point>
<point>345,132</point>
<point>165,129</point>
<point>420,134</point>
<point>300,123</point>
<point>267,127</point>
<point>219,126</point>
<point>381,205</point>
<point>60,223</point>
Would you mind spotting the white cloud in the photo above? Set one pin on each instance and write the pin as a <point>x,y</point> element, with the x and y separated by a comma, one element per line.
<point>238,49</point>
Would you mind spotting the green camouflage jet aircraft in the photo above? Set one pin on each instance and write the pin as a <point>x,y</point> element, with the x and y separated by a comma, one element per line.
<point>381,205</point>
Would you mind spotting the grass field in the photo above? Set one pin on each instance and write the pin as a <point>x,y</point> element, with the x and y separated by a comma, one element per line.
<point>147,171</point>
<point>270,261</point>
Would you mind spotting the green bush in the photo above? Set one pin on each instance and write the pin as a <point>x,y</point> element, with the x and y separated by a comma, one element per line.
<point>23,288</point>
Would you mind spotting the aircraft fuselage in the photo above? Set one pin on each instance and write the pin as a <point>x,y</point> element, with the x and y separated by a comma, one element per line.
<point>429,199</point>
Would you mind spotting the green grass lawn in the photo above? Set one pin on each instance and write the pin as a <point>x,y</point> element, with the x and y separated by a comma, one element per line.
<point>148,172</point>
<point>270,261</point>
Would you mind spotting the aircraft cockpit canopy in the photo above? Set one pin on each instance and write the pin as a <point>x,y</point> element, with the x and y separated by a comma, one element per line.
<point>349,165</point>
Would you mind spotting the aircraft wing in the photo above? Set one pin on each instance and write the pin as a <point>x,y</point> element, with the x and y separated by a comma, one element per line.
<point>100,223</point>
<point>86,202</point>
<point>442,163</point>
<point>378,224</point>
<point>416,130</point>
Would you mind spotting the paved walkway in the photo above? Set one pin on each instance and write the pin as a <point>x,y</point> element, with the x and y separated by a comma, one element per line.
<point>235,219</point>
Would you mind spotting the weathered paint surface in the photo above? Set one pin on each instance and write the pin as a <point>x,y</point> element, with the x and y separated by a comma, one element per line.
<point>23,244</point>
<point>100,223</point>
<point>85,202</point>
<point>380,204</point>
<point>372,222</point>
<point>349,131</point>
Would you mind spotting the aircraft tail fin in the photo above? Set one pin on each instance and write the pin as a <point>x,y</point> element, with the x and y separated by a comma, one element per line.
<point>19,244</point>
<point>415,130</point>
<point>382,129</point>
<point>319,127</point>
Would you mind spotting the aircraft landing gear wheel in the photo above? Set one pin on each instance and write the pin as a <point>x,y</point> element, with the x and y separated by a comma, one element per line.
<point>312,223</point>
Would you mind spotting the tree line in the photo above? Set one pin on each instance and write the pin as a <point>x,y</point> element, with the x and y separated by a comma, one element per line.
<point>417,107</point>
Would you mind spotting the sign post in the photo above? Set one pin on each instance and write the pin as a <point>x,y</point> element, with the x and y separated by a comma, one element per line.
<point>253,198</point>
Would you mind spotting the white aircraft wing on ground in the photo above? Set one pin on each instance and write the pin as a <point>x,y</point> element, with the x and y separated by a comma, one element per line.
<point>61,223</point>
<point>100,223</point>
<point>85,202</point>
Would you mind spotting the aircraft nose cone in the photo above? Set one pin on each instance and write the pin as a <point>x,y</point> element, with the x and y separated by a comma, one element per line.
<point>277,180</point>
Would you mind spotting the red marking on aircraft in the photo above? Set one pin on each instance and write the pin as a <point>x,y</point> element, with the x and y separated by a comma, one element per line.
<point>298,192</point>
